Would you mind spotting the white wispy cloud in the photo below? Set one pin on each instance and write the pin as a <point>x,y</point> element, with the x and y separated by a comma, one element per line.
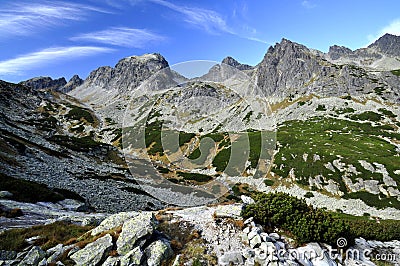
<point>392,28</point>
<point>20,64</point>
<point>209,20</point>
<point>307,4</point>
<point>121,36</point>
<point>206,19</point>
<point>25,18</point>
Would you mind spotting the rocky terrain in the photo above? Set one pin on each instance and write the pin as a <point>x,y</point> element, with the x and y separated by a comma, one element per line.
<point>325,127</point>
<point>48,83</point>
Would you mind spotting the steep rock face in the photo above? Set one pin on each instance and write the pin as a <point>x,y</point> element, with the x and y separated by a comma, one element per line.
<point>39,83</point>
<point>382,55</point>
<point>286,65</point>
<point>387,44</point>
<point>74,82</point>
<point>127,73</point>
<point>108,89</point>
<point>233,63</point>
<point>336,51</point>
<point>290,70</point>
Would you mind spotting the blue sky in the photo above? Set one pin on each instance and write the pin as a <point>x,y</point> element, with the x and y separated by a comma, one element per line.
<point>63,38</point>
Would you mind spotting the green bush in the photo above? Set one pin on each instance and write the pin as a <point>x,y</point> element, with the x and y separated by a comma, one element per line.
<point>77,113</point>
<point>291,214</point>
<point>396,72</point>
<point>308,194</point>
<point>269,182</point>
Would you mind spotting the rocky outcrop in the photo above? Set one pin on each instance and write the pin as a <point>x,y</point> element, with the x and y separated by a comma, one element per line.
<point>74,82</point>
<point>127,74</point>
<point>230,61</point>
<point>382,55</point>
<point>135,231</point>
<point>291,70</point>
<point>336,51</point>
<point>388,44</point>
<point>94,252</point>
<point>45,83</point>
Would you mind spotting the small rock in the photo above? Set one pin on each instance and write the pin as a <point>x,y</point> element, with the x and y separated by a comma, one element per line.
<point>73,251</point>
<point>133,257</point>
<point>246,230</point>
<point>43,262</point>
<point>250,262</point>
<point>157,252</point>
<point>261,259</point>
<point>268,247</point>
<point>229,258</point>
<point>54,253</point>
<point>33,257</point>
<point>112,261</point>
<point>255,241</point>
<point>32,240</point>
<point>5,195</point>
<point>248,220</point>
<point>280,245</point>
<point>265,237</point>
<point>248,253</point>
<point>274,236</point>
<point>254,231</point>
<point>94,252</point>
<point>247,199</point>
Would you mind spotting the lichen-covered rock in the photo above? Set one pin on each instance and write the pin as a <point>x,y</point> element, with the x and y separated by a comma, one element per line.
<point>133,258</point>
<point>113,221</point>
<point>158,251</point>
<point>112,261</point>
<point>138,227</point>
<point>94,252</point>
<point>34,256</point>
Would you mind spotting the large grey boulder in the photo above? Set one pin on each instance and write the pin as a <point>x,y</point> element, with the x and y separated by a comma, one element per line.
<point>34,256</point>
<point>157,252</point>
<point>136,228</point>
<point>113,221</point>
<point>94,252</point>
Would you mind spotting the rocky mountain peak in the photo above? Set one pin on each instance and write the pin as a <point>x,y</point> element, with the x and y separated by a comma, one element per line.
<point>388,44</point>
<point>74,82</point>
<point>336,51</point>
<point>286,65</point>
<point>39,83</point>
<point>230,61</point>
<point>128,72</point>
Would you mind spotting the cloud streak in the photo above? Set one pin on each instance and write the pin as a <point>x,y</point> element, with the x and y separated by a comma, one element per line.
<point>18,65</point>
<point>23,19</point>
<point>121,36</point>
<point>206,19</point>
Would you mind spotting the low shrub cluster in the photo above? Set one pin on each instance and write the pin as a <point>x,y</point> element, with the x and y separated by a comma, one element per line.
<point>307,224</point>
<point>303,222</point>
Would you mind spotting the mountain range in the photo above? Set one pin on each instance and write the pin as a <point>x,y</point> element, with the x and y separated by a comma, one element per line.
<point>335,117</point>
